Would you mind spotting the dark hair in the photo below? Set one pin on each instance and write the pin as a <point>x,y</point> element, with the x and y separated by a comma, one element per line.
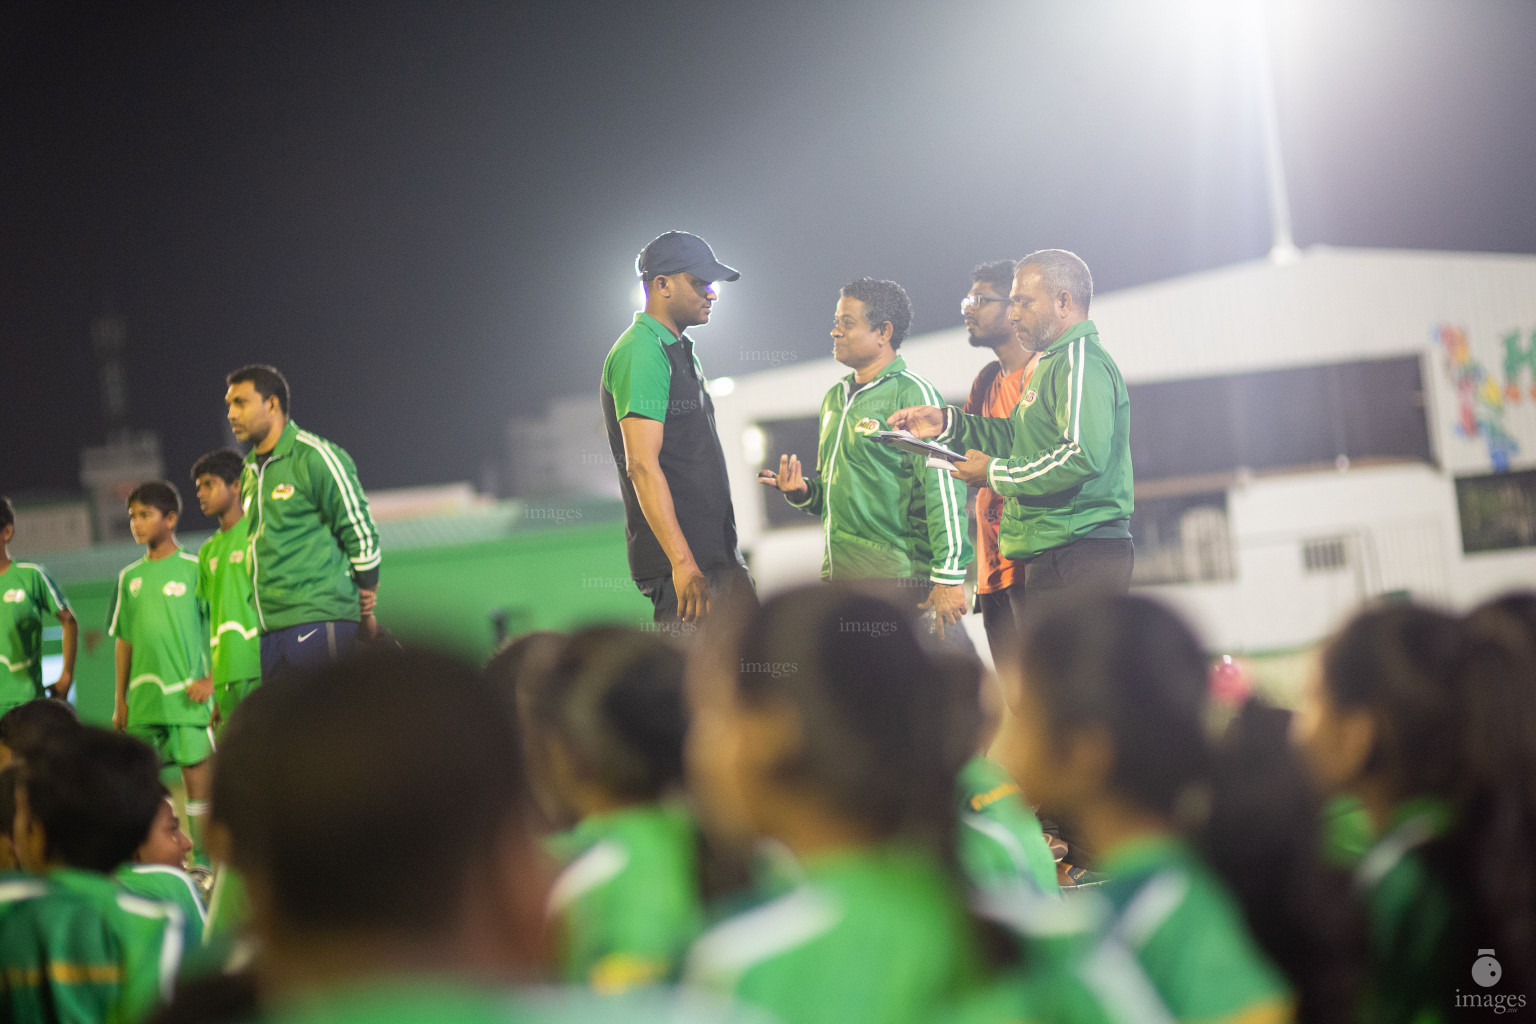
<point>998,274</point>
<point>519,672</point>
<point>366,792</point>
<point>1063,271</point>
<point>160,494</point>
<point>9,775</point>
<point>1131,666</point>
<point>7,513</point>
<point>1454,703</point>
<point>614,703</point>
<point>224,463</point>
<point>95,793</point>
<point>266,380</point>
<point>27,727</point>
<point>884,302</point>
<point>877,743</point>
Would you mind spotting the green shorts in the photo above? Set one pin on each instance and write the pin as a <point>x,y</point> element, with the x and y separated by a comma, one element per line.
<point>179,745</point>
<point>227,696</point>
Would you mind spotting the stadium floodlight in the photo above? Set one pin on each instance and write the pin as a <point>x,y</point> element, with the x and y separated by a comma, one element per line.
<point>721,386</point>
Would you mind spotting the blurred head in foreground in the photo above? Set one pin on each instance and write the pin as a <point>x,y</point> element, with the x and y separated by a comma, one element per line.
<point>377,810</point>
<point>820,721</point>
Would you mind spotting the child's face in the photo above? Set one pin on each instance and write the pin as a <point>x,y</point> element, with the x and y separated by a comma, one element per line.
<point>1335,743</point>
<point>148,524</point>
<point>166,844</point>
<point>215,496</point>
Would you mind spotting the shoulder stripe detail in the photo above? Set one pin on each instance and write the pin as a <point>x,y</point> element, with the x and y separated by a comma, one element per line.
<point>729,949</point>
<point>179,875</point>
<point>53,588</point>
<point>602,863</point>
<point>1151,907</point>
<point>22,889</point>
<point>1002,837</point>
<point>1116,977</point>
<point>367,553</point>
<point>117,596</point>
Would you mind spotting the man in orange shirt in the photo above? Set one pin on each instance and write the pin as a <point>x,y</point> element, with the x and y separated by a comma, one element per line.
<point>995,391</point>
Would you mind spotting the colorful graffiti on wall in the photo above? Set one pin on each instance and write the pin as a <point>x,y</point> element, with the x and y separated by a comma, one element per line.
<point>1481,397</point>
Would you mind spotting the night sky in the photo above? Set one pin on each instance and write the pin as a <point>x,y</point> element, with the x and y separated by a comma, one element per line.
<point>426,214</point>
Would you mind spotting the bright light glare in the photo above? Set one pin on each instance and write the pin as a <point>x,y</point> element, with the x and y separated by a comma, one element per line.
<point>754,445</point>
<point>638,295</point>
<point>721,386</point>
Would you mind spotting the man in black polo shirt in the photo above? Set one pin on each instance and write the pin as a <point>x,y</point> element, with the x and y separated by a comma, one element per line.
<point>679,522</point>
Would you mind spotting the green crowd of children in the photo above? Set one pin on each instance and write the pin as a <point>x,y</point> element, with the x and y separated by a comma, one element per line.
<point>795,820</point>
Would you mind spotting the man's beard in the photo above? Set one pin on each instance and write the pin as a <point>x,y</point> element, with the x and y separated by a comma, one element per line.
<point>988,341</point>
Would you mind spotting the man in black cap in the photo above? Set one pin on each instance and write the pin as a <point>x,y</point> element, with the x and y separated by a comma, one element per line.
<point>679,522</point>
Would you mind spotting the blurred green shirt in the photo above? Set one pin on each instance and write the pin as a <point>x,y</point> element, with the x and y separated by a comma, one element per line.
<point>1000,837</point>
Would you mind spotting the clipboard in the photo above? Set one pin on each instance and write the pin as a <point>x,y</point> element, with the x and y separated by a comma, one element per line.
<point>909,442</point>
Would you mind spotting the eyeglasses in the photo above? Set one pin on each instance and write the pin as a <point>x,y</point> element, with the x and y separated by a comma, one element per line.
<point>977,302</point>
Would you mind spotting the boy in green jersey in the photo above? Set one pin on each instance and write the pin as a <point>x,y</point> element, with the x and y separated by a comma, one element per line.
<point>161,628</point>
<point>822,724</point>
<point>224,582</point>
<point>28,595</point>
<point>609,723</point>
<point>76,946</point>
<point>157,872</point>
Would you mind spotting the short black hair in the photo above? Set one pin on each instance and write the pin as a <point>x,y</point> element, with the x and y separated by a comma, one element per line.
<point>266,380</point>
<point>8,776</point>
<point>998,274</point>
<point>27,727</point>
<point>884,302</point>
<point>224,463</point>
<point>364,793</point>
<point>7,513</point>
<point>160,494</point>
<point>96,793</point>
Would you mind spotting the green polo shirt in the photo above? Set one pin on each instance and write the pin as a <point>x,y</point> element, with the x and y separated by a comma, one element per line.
<point>1000,837</point>
<point>28,595</point>
<point>1187,931</point>
<point>879,934</point>
<point>628,904</point>
<point>636,372</point>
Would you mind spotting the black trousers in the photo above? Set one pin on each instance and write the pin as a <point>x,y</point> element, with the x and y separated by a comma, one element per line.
<point>727,583</point>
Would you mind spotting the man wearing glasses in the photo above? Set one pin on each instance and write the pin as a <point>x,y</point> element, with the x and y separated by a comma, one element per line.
<point>995,392</point>
<point>680,526</point>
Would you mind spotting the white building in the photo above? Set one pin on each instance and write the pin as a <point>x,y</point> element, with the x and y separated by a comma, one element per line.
<point>1306,435</point>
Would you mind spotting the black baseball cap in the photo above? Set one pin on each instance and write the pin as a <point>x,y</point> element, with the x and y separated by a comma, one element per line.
<point>679,252</point>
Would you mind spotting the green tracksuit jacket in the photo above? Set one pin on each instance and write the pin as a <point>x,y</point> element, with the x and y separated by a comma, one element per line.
<point>1067,473</point>
<point>884,513</point>
<point>311,532</point>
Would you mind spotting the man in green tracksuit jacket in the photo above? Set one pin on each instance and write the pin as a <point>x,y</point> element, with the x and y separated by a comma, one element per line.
<point>885,514</point>
<point>314,550</point>
<point>1067,467</point>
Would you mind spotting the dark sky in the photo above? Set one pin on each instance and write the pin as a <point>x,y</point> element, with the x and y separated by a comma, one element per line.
<point>426,214</point>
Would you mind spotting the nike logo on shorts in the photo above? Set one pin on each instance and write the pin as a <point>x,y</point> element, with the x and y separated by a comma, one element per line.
<point>305,636</point>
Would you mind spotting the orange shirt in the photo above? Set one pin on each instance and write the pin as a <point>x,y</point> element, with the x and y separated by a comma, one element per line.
<point>993,571</point>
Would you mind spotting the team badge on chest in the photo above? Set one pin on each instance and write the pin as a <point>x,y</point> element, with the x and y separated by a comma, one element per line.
<point>282,492</point>
<point>1029,397</point>
<point>866,426</point>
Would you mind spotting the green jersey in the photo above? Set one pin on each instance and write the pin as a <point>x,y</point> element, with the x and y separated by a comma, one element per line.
<point>1000,837</point>
<point>1063,459</point>
<point>224,585</point>
<point>28,595</point>
<point>75,946</point>
<point>877,935</point>
<point>1347,832</point>
<point>451,1001</point>
<point>1419,949</point>
<point>155,608</point>
<point>169,885</point>
<point>628,904</point>
<point>1188,934</point>
<point>884,513</point>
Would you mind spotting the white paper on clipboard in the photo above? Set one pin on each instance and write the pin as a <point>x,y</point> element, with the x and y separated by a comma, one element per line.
<point>909,442</point>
